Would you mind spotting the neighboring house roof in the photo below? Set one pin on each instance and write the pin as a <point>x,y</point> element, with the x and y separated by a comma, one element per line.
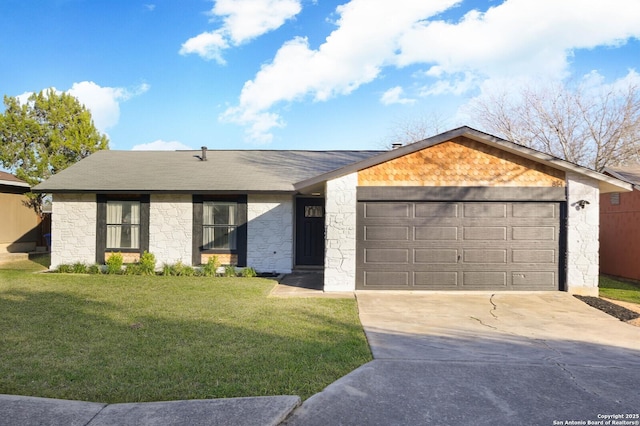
<point>606,183</point>
<point>8,179</point>
<point>261,170</point>
<point>629,174</point>
<point>183,171</point>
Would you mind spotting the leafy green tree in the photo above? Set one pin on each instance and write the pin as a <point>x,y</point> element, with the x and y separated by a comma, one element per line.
<point>45,135</point>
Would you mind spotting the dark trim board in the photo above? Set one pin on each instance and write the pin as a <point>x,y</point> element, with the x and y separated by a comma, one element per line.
<point>241,248</point>
<point>460,193</point>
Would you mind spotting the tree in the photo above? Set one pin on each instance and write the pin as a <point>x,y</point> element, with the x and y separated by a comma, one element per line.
<point>45,135</point>
<point>408,130</point>
<point>591,128</point>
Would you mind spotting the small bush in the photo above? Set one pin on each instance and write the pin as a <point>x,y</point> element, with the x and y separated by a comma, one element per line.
<point>210,269</point>
<point>166,270</point>
<point>249,273</point>
<point>65,269</point>
<point>230,271</point>
<point>178,269</point>
<point>79,268</point>
<point>147,264</point>
<point>114,263</point>
<point>94,269</point>
<point>133,269</point>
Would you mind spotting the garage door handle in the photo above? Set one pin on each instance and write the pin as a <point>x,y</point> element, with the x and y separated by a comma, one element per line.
<point>459,257</point>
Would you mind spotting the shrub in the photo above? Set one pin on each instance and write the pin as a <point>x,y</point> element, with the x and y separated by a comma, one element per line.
<point>230,271</point>
<point>147,264</point>
<point>114,263</point>
<point>133,269</point>
<point>166,270</point>
<point>94,269</point>
<point>249,273</point>
<point>178,269</point>
<point>65,269</point>
<point>79,268</point>
<point>210,269</point>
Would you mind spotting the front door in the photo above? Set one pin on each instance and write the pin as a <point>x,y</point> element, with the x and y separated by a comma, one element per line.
<point>310,231</point>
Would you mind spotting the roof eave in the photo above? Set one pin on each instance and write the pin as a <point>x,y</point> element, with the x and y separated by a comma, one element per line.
<point>14,183</point>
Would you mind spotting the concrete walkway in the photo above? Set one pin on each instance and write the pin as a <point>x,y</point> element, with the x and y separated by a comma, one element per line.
<point>259,411</point>
<point>482,359</point>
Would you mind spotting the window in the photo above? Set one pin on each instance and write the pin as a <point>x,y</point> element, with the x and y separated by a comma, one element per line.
<point>123,224</point>
<point>219,225</point>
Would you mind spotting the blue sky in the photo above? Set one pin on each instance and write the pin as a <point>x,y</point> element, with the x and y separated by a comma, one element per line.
<point>302,74</point>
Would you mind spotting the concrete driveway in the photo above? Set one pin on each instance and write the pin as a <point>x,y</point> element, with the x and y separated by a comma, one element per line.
<point>483,359</point>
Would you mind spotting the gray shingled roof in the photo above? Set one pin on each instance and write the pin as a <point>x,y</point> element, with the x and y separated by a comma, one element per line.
<point>183,171</point>
<point>629,173</point>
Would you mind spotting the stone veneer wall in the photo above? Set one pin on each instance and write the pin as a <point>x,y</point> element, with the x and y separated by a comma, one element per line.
<point>270,233</point>
<point>340,238</point>
<point>582,235</point>
<point>73,229</point>
<point>171,228</point>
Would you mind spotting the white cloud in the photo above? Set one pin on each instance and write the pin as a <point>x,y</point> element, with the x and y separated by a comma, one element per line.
<point>150,7</point>
<point>243,21</point>
<point>395,96</point>
<point>160,145</point>
<point>104,102</point>
<point>513,40</point>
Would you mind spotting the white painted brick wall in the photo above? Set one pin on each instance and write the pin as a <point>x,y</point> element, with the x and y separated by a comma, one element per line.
<point>340,238</point>
<point>73,229</point>
<point>171,228</point>
<point>270,233</point>
<point>582,235</point>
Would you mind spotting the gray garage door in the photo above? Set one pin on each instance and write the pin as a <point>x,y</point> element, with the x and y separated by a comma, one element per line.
<point>458,245</point>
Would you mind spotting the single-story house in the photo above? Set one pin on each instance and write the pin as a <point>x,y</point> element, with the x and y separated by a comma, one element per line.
<point>19,223</point>
<point>462,210</point>
<point>620,226</point>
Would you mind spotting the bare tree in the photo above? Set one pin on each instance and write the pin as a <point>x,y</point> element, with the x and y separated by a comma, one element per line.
<point>408,130</point>
<point>593,129</point>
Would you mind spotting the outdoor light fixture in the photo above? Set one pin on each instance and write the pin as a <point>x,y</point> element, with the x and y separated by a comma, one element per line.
<point>582,203</point>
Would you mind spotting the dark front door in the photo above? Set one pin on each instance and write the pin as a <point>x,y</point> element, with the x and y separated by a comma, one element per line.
<point>310,231</point>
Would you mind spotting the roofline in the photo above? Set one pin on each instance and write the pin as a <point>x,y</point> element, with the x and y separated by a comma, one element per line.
<point>14,183</point>
<point>620,177</point>
<point>608,184</point>
<point>164,191</point>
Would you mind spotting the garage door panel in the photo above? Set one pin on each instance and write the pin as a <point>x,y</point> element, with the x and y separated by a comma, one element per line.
<point>395,210</point>
<point>485,210</point>
<point>484,279</point>
<point>534,233</point>
<point>383,255</point>
<point>535,256</point>
<point>436,233</point>
<point>532,280</point>
<point>386,233</point>
<point>485,256</point>
<point>436,256</point>
<point>386,279</point>
<point>436,280</point>
<point>535,210</point>
<point>438,210</point>
<point>459,245</point>
<point>485,233</point>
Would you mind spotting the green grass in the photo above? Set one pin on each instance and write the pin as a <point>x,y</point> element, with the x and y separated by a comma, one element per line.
<point>627,291</point>
<point>139,338</point>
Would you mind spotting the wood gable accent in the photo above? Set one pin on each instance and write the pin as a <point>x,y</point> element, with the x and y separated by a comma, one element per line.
<point>461,162</point>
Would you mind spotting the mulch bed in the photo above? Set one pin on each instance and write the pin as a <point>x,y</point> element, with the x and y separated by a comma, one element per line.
<point>617,311</point>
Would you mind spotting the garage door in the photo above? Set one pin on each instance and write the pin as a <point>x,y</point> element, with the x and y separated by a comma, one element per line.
<point>475,245</point>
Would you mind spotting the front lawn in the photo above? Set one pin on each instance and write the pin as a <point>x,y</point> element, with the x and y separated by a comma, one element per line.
<point>119,338</point>
<point>617,289</point>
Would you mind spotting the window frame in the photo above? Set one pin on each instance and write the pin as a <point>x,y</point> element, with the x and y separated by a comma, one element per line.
<point>101,224</point>
<point>231,226</point>
<point>123,226</point>
<point>241,227</point>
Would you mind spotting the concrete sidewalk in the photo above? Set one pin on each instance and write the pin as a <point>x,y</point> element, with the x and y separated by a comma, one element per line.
<point>259,411</point>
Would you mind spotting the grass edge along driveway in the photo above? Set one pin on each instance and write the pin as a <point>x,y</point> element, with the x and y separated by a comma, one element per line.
<point>118,339</point>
